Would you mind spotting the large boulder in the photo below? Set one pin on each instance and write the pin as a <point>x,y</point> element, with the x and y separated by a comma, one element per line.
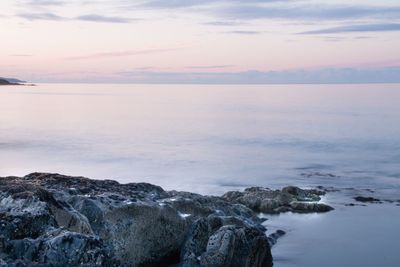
<point>225,241</point>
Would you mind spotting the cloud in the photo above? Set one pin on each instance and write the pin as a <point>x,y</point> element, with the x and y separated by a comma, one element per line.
<point>100,18</point>
<point>41,16</point>
<point>358,28</point>
<point>123,53</point>
<point>233,12</point>
<point>20,55</point>
<point>88,18</point>
<point>210,67</point>
<point>330,75</point>
<point>193,3</point>
<point>45,2</point>
<point>245,32</point>
<point>224,23</point>
<point>299,76</point>
<point>174,3</point>
<point>307,12</point>
<point>276,9</point>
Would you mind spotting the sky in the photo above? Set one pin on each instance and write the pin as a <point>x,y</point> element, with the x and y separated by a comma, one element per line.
<point>200,41</point>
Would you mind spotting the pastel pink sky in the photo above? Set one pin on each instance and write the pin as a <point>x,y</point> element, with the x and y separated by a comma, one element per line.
<point>76,40</point>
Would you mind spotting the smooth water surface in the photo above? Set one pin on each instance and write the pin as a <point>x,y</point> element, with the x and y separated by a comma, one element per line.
<point>205,138</point>
<point>214,138</point>
<point>354,237</point>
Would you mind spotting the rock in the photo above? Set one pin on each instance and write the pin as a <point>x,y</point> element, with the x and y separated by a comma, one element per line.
<point>367,199</point>
<point>4,82</point>
<point>10,81</point>
<point>144,234</point>
<point>56,220</point>
<point>289,198</point>
<point>319,174</point>
<point>273,238</point>
<point>204,246</point>
<point>306,207</point>
<point>237,246</point>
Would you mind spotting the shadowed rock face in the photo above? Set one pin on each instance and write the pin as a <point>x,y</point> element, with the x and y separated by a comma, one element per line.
<point>56,220</point>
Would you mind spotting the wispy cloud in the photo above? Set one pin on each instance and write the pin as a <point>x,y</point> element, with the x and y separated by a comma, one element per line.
<point>232,12</point>
<point>123,53</point>
<point>193,3</point>
<point>358,28</point>
<point>44,2</point>
<point>210,67</point>
<point>174,3</point>
<point>41,16</point>
<point>20,55</point>
<point>276,9</point>
<point>87,17</point>
<point>100,18</point>
<point>306,12</point>
<point>224,23</point>
<point>330,75</point>
<point>245,32</point>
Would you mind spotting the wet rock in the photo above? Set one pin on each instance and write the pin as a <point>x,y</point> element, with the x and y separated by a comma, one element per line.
<point>367,199</point>
<point>204,246</point>
<point>56,220</point>
<point>227,241</point>
<point>60,248</point>
<point>289,198</point>
<point>319,174</point>
<point>306,207</point>
<point>273,238</point>
<point>237,246</point>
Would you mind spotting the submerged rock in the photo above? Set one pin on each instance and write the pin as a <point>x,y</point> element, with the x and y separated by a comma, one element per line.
<point>367,199</point>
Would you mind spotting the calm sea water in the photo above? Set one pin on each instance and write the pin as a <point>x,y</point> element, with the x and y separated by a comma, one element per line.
<point>205,138</point>
<point>214,138</point>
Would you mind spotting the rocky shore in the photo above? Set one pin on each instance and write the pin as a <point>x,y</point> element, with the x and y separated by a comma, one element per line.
<point>12,81</point>
<point>56,220</point>
<point>6,82</point>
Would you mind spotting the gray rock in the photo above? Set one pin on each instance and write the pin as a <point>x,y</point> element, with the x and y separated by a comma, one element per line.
<point>367,199</point>
<point>225,241</point>
<point>273,238</point>
<point>237,246</point>
<point>289,198</point>
<point>56,220</point>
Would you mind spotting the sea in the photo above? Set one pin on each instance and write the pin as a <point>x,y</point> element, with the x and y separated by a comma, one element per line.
<point>211,139</point>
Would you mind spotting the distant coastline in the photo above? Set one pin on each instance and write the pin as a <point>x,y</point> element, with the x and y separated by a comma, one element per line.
<point>13,81</point>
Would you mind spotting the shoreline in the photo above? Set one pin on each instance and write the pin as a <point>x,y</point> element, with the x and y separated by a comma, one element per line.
<point>112,223</point>
<point>8,82</point>
<point>125,222</point>
<point>18,84</point>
